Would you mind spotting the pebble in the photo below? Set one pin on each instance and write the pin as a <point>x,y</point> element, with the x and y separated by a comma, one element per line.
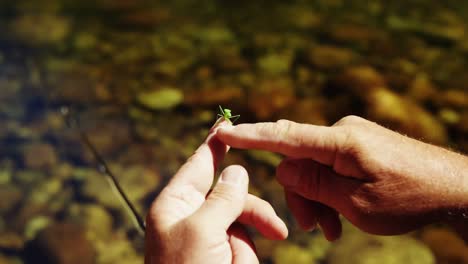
<point>275,64</point>
<point>97,220</point>
<point>447,246</point>
<point>162,99</point>
<point>137,182</point>
<point>11,241</point>
<point>39,156</point>
<point>41,29</point>
<point>327,57</point>
<point>60,243</point>
<point>360,80</point>
<point>271,96</point>
<point>356,247</point>
<point>405,116</point>
<point>10,197</point>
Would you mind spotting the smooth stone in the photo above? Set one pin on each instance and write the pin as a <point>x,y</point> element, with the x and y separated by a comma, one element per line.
<point>41,29</point>
<point>275,64</point>
<point>421,89</point>
<point>357,247</point>
<point>137,182</point>
<point>39,156</point>
<point>10,197</point>
<point>118,250</point>
<point>329,57</point>
<point>35,225</point>
<point>11,241</point>
<point>405,116</point>
<point>162,99</point>
<point>60,243</point>
<point>97,220</point>
<point>447,246</point>
<point>214,96</point>
<point>360,80</point>
<point>270,96</point>
<point>290,253</point>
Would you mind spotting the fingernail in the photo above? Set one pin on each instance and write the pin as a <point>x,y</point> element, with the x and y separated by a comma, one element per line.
<point>231,178</point>
<point>289,173</point>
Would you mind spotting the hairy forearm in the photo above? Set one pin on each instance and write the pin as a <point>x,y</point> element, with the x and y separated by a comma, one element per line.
<point>457,216</point>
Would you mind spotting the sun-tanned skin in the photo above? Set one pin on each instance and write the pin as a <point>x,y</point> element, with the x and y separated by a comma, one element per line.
<point>381,181</point>
<point>186,225</point>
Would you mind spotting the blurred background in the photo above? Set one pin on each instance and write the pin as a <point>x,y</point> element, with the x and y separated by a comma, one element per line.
<point>145,79</point>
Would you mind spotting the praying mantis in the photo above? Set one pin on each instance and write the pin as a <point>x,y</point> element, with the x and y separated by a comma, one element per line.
<point>227,115</point>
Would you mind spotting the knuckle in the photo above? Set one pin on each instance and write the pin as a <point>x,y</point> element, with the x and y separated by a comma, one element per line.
<point>353,136</point>
<point>224,195</point>
<point>290,132</point>
<point>283,127</point>
<point>350,120</point>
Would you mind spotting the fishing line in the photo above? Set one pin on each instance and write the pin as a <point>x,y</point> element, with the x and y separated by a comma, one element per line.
<point>73,123</point>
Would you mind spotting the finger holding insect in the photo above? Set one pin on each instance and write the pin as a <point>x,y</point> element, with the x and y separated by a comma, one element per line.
<point>227,115</point>
<point>187,189</point>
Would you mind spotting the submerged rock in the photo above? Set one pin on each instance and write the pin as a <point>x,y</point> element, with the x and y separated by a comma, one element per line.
<point>217,95</point>
<point>108,137</point>
<point>40,29</point>
<point>137,182</point>
<point>118,250</point>
<point>421,89</point>
<point>356,247</point>
<point>11,241</point>
<point>60,243</point>
<point>10,196</point>
<point>387,107</point>
<point>447,246</point>
<point>359,80</point>
<point>401,114</point>
<point>271,96</point>
<point>275,64</point>
<point>39,156</point>
<point>97,220</point>
<point>165,98</point>
<point>454,98</point>
<point>329,57</point>
<point>291,253</point>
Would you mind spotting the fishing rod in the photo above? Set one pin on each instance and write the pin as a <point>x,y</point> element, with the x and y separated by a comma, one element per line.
<point>73,123</point>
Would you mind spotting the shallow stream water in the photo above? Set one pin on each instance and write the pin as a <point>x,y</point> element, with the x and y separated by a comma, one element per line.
<point>145,79</point>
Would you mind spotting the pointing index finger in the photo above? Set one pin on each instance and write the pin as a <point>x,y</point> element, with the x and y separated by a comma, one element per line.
<point>286,137</point>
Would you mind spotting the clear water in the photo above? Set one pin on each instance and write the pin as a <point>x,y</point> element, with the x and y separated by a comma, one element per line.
<point>145,79</point>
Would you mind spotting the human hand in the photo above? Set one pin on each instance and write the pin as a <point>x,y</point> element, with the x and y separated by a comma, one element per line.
<point>381,181</point>
<point>188,224</point>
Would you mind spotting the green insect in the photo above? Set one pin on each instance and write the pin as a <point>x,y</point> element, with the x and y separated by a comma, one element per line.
<point>227,115</point>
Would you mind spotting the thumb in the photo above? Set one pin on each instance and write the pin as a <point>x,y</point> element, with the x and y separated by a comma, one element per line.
<point>226,201</point>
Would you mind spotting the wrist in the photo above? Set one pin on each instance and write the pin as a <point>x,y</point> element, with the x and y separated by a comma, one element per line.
<point>457,215</point>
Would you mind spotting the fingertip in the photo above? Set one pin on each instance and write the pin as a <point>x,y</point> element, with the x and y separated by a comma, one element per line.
<point>282,229</point>
<point>236,175</point>
<point>304,211</point>
<point>221,123</point>
<point>331,225</point>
